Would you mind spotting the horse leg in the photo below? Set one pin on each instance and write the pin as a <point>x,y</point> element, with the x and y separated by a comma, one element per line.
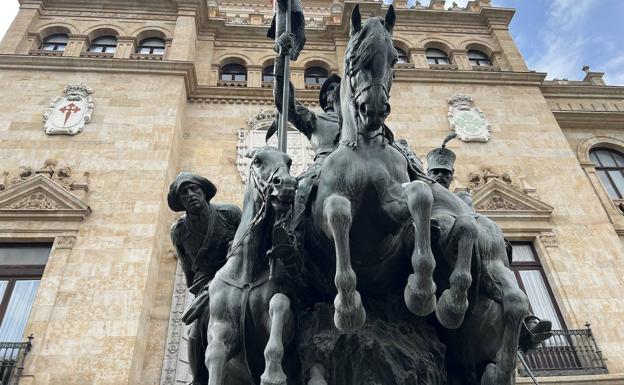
<point>280,315</point>
<point>219,337</point>
<point>349,312</point>
<point>515,308</point>
<point>317,375</point>
<point>453,302</point>
<point>420,289</point>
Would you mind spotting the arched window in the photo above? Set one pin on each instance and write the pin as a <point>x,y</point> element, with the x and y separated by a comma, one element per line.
<point>104,44</point>
<point>233,72</point>
<point>610,168</point>
<point>152,46</point>
<point>436,56</point>
<point>402,56</point>
<point>478,58</point>
<point>56,42</point>
<point>316,75</point>
<point>267,74</point>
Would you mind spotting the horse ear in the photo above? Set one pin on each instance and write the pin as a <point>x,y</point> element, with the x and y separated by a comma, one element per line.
<point>390,18</point>
<point>356,19</point>
<point>250,153</point>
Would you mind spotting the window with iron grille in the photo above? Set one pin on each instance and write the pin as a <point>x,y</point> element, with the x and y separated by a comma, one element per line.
<point>152,46</point>
<point>609,167</point>
<point>56,42</point>
<point>234,72</point>
<point>316,75</point>
<point>21,268</point>
<point>104,44</point>
<point>478,58</point>
<point>436,56</point>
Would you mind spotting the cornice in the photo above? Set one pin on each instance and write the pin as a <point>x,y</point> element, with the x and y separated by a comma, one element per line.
<point>584,90</point>
<point>590,119</point>
<point>470,77</point>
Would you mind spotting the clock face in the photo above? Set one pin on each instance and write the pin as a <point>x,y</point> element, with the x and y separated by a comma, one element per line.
<point>469,122</point>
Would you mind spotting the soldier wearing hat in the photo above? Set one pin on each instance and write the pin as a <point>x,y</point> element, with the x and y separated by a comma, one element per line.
<point>440,163</point>
<point>201,239</point>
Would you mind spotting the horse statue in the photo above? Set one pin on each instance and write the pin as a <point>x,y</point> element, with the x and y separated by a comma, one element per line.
<point>250,309</point>
<point>365,202</point>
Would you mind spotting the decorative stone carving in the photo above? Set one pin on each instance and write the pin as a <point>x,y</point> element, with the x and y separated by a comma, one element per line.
<point>61,174</point>
<point>549,240</point>
<point>67,115</point>
<point>478,180</point>
<point>500,199</point>
<point>64,242</point>
<point>254,136</point>
<point>41,198</point>
<point>467,120</point>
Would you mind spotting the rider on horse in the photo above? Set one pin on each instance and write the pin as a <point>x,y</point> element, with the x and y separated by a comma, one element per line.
<point>440,162</point>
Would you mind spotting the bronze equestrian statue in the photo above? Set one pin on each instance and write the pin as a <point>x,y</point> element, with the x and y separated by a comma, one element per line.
<point>201,239</point>
<point>250,296</point>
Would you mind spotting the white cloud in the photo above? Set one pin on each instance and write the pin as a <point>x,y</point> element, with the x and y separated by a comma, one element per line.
<point>563,38</point>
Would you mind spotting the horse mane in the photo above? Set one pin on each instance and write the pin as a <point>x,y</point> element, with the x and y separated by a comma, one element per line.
<point>361,48</point>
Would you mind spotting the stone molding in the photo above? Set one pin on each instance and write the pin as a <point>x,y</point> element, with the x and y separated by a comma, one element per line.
<point>41,199</point>
<point>500,200</point>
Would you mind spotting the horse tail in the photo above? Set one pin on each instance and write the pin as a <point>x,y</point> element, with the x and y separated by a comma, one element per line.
<point>475,271</point>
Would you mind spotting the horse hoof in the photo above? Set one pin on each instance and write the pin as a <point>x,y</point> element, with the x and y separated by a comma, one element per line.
<point>273,379</point>
<point>349,313</point>
<point>420,302</point>
<point>451,310</point>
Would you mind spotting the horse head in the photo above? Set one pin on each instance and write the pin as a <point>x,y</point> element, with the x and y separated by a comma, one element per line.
<point>270,177</point>
<point>365,90</point>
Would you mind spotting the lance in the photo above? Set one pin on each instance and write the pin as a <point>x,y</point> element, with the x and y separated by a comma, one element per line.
<point>282,138</point>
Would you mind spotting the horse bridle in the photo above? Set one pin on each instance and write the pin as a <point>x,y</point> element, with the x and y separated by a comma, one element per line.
<point>355,94</point>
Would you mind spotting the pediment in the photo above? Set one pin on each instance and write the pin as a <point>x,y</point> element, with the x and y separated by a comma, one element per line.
<point>497,199</point>
<point>40,198</point>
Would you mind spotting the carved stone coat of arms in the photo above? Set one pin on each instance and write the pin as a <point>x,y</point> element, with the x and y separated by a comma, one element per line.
<point>68,114</point>
<point>467,120</point>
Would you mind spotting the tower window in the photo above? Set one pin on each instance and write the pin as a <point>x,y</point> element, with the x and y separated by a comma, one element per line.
<point>316,75</point>
<point>234,72</point>
<point>610,169</point>
<point>104,44</point>
<point>152,46</point>
<point>478,58</point>
<point>402,58</point>
<point>436,56</point>
<point>56,42</point>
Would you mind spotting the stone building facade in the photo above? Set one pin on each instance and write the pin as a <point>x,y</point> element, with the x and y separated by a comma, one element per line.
<point>168,95</point>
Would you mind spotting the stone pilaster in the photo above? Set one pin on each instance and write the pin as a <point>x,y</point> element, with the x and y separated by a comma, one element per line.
<point>254,76</point>
<point>419,57</point>
<point>16,39</point>
<point>184,42</point>
<point>460,57</point>
<point>125,47</point>
<point>297,77</point>
<point>511,57</point>
<point>76,45</point>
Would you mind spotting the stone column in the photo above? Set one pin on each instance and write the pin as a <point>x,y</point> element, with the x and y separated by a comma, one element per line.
<point>205,50</point>
<point>297,77</point>
<point>125,47</point>
<point>460,57</point>
<point>76,45</point>
<point>16,40</point>
<point>254,76</point>
<point>341,47</point>
<point>185,37</point>
<point>419,57</point>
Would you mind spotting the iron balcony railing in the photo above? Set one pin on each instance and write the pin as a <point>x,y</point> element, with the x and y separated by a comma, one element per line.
<point>566,353</point>
<point>12,355</point>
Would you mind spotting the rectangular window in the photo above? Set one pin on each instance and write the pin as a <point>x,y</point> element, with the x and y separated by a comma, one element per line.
<point>532,280</point>
<point>21,268</point>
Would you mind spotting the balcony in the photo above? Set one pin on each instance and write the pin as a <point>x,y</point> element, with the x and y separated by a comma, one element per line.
<point>12,355</point>
<point>566,353</point>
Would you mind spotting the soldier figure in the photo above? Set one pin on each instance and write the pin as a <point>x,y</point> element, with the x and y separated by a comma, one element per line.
<point>201,238</point>
<point>440,162</point>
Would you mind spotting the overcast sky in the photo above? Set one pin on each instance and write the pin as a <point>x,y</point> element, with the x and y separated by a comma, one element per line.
<point>555,36</point>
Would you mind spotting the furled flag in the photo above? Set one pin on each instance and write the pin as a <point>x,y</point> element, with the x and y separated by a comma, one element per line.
<point>297,24</point>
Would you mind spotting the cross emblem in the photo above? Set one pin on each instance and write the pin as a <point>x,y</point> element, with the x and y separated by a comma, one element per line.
<point>68,110</point>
